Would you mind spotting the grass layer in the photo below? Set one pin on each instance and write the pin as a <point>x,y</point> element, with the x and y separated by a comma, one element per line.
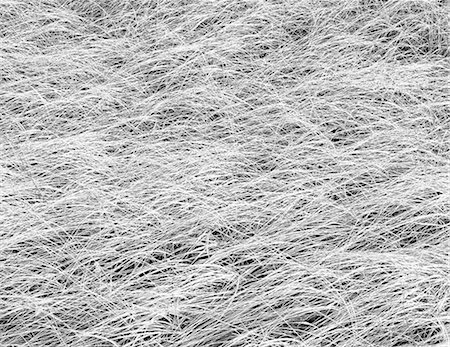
<point>224,173</point>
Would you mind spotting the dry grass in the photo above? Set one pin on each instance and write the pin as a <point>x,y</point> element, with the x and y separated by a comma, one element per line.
<point>224,173</point>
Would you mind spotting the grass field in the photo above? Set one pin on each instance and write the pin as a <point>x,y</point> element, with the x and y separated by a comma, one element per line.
<point>224,173</point>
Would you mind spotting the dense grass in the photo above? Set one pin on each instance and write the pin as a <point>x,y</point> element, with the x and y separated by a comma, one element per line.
<point>224,173</point>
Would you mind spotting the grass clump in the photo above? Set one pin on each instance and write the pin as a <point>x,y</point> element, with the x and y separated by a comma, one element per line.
<point>224,173</point>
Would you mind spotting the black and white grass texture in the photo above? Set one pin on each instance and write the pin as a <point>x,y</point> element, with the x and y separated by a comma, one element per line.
<point>227,173</point>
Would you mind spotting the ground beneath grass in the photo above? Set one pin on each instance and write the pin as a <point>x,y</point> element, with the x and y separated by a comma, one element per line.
<point>224,173</point>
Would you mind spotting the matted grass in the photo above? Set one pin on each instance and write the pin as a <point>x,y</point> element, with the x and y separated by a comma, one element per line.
<point>224,173</point>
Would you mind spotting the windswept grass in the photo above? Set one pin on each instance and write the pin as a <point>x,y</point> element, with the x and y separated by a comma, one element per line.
<point>224,173</point>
